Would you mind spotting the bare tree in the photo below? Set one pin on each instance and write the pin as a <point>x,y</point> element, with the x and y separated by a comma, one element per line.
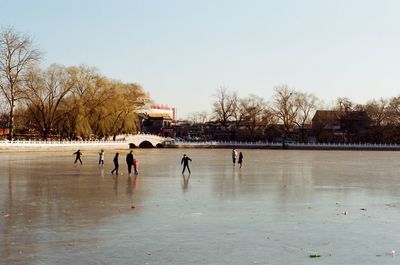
<point>239,113</point>
<point>198,117</point>
<point>307,104</point>
<point>378,111</point>
<point>203,117</point>
<point>285,106</point>
<point>254,108</point>
<point>225,105</point>
<point>17,55</point>
<point>268,117</point>
<point>344,104</point>
<point>393,111</point>
<point>45,93</point>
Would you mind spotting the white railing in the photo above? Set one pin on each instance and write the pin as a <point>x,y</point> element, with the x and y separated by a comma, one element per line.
<point>120,139</point>
<point>279,144</point>
<point>41,143</point>
<point>178,143</point>
<point>60,142</point>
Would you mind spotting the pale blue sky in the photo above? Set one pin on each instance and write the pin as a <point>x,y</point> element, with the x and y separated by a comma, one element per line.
<point>182,51</point>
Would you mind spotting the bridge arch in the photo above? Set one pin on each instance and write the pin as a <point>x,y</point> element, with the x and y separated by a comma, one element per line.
<point>146,144</point>
<point>145,141</point>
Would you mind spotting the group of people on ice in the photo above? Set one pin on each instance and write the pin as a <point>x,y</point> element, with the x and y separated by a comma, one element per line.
<point>131,161</point>
<point>235,156</point>
<point>185,160</point>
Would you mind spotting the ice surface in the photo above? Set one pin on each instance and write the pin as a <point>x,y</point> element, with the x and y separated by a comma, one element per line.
<point>280,208</point>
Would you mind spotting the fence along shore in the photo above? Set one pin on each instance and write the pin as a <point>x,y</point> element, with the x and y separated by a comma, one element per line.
<point>41,145</point>
<point>288,146</point>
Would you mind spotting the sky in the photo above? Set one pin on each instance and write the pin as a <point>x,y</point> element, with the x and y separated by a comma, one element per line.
<point>182,51</point>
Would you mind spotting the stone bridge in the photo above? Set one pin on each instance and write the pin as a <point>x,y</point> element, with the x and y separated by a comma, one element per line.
<point>145,140</point>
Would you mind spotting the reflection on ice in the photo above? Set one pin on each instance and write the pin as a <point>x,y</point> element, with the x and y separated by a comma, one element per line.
<point>185,182</point>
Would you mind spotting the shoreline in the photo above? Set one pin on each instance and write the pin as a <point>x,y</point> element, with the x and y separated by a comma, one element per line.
<point>290,147</point>
<point>14,147</point>
<point>287,148</point>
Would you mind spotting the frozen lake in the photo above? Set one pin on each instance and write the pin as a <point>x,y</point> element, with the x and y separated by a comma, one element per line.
<point>280,208</point>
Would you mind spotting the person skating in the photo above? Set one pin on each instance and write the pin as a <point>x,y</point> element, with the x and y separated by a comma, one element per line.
<point>78,155</point>
<point>240,161</point>
<point>116,164</point>
<point>185,161</point>
<point>234,156</point>
<point>129,162</point>
<point>101,157</point>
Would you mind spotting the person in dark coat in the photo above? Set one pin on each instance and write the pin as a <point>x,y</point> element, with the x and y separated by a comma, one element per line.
<point>240,161</point>
<point>185,161</point>
<point>129,162</point>
<point>116,164</point>
<point>78,155</point>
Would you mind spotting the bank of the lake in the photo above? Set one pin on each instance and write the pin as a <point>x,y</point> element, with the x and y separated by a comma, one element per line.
<point>33,146</point>
<point>287,146</point>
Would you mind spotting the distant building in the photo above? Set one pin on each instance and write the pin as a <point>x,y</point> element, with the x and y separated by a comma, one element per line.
<point>326,125</point>
<point>158,124</point>
<point>157,119</point>
<point>158,110</point>
<point>340,126</point>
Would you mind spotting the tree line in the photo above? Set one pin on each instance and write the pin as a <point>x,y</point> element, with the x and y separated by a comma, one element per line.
<point>75,102</point>
<point>293,110</point>
<point>287,107</point>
